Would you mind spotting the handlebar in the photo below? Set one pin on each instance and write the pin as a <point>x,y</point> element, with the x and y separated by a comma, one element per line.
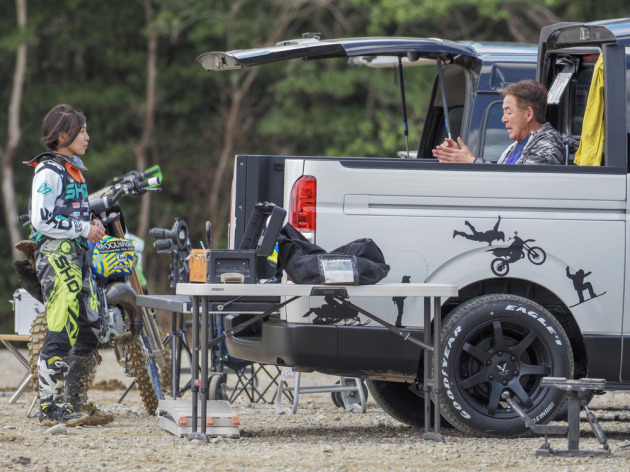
<point>176,238</point>
<point>130,186</point>
<point>134,175</point>
<point>161,233</point>
<point>162,244</point>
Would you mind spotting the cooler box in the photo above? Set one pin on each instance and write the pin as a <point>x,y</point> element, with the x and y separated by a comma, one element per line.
<point>26,309</point>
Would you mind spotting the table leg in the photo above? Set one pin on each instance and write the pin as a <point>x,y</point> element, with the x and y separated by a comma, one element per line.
<point>573,417</point>
<point>26,381</point>
<point>175,359</point>
<point>16,353</point>
<point>204,365</point>
<point>437,373</point>
<point>27,378</point>
<point>194,388</point>
<point>432,383</point>
<point>427,366</point>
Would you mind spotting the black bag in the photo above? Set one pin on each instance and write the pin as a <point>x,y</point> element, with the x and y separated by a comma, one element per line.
<point>301,259</point>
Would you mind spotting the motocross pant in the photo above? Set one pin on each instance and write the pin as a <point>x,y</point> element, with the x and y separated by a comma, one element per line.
<point>63,269</point>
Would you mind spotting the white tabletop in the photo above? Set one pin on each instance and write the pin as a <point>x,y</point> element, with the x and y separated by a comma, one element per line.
<point>302,290</point>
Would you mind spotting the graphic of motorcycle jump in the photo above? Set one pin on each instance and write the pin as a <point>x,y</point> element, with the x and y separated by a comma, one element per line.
<point>482,236</point>
<point>513,253</point>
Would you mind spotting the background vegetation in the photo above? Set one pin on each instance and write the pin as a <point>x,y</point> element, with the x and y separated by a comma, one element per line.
<point>130,65</point>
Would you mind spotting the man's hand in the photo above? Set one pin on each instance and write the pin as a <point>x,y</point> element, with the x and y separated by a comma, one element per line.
<point>97,231</point>
<point>450,151</point>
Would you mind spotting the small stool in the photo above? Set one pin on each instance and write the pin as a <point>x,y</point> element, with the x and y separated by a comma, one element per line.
<point>350,388</point>
<point>576,389</point>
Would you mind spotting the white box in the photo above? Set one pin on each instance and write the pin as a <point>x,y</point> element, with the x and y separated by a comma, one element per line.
<point>26,309</point>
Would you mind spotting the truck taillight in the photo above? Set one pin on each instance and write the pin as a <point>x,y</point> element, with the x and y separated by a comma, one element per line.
<point>302,206</point>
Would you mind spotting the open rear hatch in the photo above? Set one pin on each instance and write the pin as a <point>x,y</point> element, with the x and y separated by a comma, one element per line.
<point>308,48</point>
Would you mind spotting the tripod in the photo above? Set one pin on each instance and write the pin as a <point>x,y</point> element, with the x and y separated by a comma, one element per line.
<point>176,242</point>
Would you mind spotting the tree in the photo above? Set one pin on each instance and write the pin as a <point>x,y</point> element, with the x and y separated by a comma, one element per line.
<point>150,106</point>
<point>7,157</point>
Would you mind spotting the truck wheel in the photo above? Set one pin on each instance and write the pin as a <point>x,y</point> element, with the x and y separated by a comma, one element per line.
<point>497,343</point>
<point>401,400</point>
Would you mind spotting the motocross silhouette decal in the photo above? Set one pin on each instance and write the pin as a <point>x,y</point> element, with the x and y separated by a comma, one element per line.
<point>504,256</point>
<point>400,302</point>
<point>581,286</point>
<point>514,252</point>
<point>334,312</point>
<point>482,236</point>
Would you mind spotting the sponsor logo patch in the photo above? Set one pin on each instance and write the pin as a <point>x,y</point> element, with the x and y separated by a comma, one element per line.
<point>44,189</point>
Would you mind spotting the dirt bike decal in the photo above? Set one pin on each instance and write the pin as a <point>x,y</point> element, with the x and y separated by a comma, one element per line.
<point>332,312</point>
<point>504,256</point>
<point>518,249</point>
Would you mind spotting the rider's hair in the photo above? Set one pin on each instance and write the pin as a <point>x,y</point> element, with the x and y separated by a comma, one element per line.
<point>61,119</point>
<point>529,93</point>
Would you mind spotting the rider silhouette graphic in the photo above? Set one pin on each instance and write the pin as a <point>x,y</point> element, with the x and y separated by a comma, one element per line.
<point>400,302</point>
<point>335,312</point>
<point>482,236</point>
<point>579,285</point>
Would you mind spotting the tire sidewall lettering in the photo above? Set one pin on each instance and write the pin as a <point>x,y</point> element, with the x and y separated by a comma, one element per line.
<point>445,378</point>
<point>461,328</point>
<point>536,316</point>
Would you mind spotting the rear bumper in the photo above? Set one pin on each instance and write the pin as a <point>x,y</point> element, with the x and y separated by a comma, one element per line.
<point>367,352</point>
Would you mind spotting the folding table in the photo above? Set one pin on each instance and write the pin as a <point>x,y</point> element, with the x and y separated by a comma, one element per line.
<point>204,294</point>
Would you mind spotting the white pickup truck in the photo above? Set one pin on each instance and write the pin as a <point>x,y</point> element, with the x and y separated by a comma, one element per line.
<point>539,253</point>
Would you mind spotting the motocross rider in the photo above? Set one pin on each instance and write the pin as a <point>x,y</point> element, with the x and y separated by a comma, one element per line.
<point>60,215</point>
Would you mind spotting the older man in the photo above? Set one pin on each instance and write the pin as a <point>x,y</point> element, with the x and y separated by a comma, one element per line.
<point>536,141</point>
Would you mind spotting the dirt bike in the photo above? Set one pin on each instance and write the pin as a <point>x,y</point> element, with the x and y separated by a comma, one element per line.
<point>513,253</point>
<point>132,332</point>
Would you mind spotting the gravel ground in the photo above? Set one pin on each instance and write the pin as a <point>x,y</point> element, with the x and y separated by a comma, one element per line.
<point>319,437</point>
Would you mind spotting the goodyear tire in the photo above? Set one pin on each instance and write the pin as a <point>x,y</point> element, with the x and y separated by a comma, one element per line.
<point>498,343</point>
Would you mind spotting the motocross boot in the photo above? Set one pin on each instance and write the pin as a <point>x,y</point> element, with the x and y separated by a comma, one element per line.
<point>52,409</point>
<point>80,376</point>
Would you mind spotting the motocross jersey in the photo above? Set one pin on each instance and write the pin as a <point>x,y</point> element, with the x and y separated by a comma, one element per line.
<point>60,198</point>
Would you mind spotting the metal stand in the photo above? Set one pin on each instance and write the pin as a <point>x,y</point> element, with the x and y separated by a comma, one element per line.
<point>576,388</point>
<point>351,389</point>
<point>6,340</point>
<point>179,344</point>
<point>176,243</point>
